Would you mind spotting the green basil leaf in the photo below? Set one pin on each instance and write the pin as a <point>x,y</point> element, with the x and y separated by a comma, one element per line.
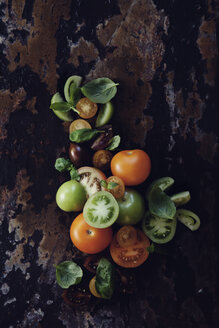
<point>112,185</point>
<point>114,143</point>
<point>160,204</point>
<point>74,174</point>
<point>103,183</point>
<point>100,90</point>
<point>105,279</point>
<point>61,106</point>
<point>62,164</point>
<point>82,135</point>
<point>68,273</point>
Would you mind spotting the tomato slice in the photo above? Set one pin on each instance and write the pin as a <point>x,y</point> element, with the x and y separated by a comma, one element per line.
<point>126,236</point>
<point>119,190</point>
<point>101,210</point>
<point>72,79</point>
<point>79,124</point>
<point>132,256</point>
<point>159,230</point>
<point>86,108</point>
<point>90,178</point>
<point>105,114</point>
<point>163,183</point>
<point>92,287</point>
<point>102,159</point>
<point>181,198</point>
<point>76,296</point>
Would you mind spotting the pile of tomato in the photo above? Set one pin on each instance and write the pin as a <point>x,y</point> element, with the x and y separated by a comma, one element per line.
<point>102,185</point>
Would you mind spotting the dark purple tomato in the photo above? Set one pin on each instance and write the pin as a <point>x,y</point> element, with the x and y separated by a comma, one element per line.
<point>79,155</point>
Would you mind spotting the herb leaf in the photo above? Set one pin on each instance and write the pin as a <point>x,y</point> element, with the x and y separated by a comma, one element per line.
<point>160,204</point>
<point>61,106</point>
<point>68,273</point>
<point>74,173</point>
<point>62,164</point>
<point>105,279</point>
<point>114,143</point>
<point>82,135</point>
<point>112,185</point>
<point>103,183</point>
<point>100,90</point>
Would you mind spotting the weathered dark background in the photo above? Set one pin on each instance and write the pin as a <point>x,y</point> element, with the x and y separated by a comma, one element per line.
<point>164,55</point>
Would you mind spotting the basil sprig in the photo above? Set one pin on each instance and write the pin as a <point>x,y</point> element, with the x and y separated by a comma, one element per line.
<point>114,143</point>
<point>83,135</point>
<point>160,204</point>
<point>105,279</point>
<point>63,165</point>
<point>100,90</point>
<point>68,273</point>
<point>63,107</point>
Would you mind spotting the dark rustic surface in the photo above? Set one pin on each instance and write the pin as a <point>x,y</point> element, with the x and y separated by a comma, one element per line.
<point>164,55</point>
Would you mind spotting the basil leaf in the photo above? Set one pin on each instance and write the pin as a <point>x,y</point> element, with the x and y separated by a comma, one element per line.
<point>114,143</point>
<point>62,164</point>
<point>61,106</point>
<point>74,80</point>
<point>160,204</point>
<point>100,90</point>
<point>105,279</point>
<point>82,135</point>
<point>74,173</point>
<point>112,185</point>
<point>103,183</point>
<point>68,273</point>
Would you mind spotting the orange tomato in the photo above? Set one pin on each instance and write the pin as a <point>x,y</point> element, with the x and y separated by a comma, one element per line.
<point>132,166</point>
<point>88,239</point>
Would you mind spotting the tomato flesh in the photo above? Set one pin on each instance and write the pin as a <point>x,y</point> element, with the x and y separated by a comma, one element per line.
<point>132,256</point>
<point>90,178</point>
<point>126,236</point>
<point>86,108</point>
<point>101,159</point>
<point>88,239</point>
<point>92,287</point>
<point>101,210</point>
<point>79,124</point>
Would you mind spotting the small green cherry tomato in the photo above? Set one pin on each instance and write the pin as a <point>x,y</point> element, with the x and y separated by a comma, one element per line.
<point>71,196</point>
<point>131,207</point>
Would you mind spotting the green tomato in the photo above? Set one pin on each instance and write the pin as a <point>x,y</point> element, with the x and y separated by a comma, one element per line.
<point>71,196</point>
<point>64,116</point>
<point>131,207</point>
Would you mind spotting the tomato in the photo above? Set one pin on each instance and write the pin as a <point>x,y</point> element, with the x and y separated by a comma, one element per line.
<point>90,178</point>
<point>64,116</point>
<point>79,154</point>
<point>79,124</point>
<point>131,207</point>
<point>131,256</point>
<point>101,159</point>
<point>159,230</point>
<point>119,190</point>
<point>132,166</point>
<point>86,108</point>
<point>76,296</point>
<point>105,114</point>
<point>126,236</point>
<point>92,287</point>
<point>88,239</point>
<point>71,196</point>
<point>101,210</point>
<point>91,262</point>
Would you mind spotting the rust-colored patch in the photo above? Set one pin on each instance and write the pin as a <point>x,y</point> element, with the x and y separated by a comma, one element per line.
<point>40,51</point>
<point>208,47</point>
<point>84,49</point>
<point>138,51</point>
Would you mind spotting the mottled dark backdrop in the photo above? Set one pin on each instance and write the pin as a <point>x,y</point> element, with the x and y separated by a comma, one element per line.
<point>164,55</point>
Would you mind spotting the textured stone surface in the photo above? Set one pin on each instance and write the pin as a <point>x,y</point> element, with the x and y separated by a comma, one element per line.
<point>164,55</point>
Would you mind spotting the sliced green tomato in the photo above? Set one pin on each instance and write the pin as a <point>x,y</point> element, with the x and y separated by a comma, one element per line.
<point>72,79</point>
<point>188,218</point>
<point>64,116</point>
<point>157,229</point>
<point>105,114</point>
<point>163,183</point>
<point>101,210</point>
<point>181,198</point>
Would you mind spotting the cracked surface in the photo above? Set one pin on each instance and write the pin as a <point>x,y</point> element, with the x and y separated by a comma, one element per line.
<point>164,55</point>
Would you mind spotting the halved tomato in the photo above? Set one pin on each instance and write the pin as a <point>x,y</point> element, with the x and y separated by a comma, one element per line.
<point>132,256</point>
<point>126,236</point>
<point>92,287</point>
<point>79,124</point>
<point>86,108</point>
<point>90,178</point>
